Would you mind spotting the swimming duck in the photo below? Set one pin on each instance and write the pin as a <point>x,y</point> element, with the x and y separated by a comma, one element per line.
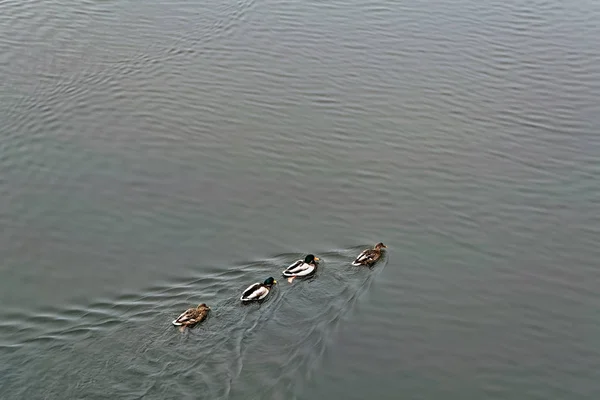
<point>369,256</point>
<point>301,268</point>
<point>258,291</point>
<point>192,316</point>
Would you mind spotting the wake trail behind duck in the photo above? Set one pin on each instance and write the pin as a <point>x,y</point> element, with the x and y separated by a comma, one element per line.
<point>237,349</point>
<point>279,361</point>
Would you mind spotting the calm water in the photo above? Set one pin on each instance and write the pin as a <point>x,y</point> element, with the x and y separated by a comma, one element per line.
<point>154,156</point>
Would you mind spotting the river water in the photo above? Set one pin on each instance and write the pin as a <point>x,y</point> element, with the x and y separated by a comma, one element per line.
<point>155,155</point>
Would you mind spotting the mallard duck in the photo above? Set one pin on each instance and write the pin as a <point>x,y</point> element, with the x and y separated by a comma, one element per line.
<point>369,256</point>
<point>300,268</point>
<point>258,291</point>
<point>192,316</point>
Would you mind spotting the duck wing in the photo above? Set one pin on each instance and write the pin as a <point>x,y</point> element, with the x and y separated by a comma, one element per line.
<point>254,292</point>
<point>366,257</point>
<point>185,317</point>
<point>300,268</point>
<point>199,316</point>
<point>294,268</point>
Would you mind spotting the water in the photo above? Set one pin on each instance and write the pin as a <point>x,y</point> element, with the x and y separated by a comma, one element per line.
<point>154,156</point>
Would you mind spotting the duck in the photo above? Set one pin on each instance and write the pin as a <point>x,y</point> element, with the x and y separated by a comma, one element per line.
<point>258,291</point>
<point>369,257</point>
<point>192,316</point>
<point>301,268</point>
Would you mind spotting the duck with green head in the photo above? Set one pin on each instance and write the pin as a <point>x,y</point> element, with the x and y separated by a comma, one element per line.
<point>258,291</point>
<point>301,268</point>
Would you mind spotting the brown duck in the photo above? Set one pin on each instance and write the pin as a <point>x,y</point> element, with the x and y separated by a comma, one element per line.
<point>192,316</point>
<point>369,256</point>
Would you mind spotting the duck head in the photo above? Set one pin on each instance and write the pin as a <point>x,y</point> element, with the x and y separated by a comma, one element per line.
<point>311,259</point>
<point>269,281</point>
<point>380,246</point>
<point>203,306</point>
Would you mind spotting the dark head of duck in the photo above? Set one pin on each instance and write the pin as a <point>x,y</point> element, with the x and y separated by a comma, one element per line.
<point>270,282</point>
<point>380,246</point>
<point>311,259</point>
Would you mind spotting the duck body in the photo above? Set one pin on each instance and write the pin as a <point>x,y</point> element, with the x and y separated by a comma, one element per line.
<point>368,257</point>
<point>299,268</point>
<point>257,291</point>
<point>192,316</point>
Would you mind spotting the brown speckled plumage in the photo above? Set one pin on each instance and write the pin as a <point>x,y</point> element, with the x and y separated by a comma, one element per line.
<point>369,257</point>
<point>192,316</point>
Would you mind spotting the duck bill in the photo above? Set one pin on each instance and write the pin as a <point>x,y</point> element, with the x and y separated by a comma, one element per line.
<point>317,259</point>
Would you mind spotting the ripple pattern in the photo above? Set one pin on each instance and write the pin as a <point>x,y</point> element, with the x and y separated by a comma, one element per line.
<point>220,355</point>
<point>146,147</point>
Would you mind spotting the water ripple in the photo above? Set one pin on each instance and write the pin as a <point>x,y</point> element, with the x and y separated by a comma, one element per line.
<point>287,330</point>
<point>145,147</point>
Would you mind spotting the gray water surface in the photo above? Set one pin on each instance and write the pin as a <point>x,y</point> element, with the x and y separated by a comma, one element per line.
<point>155,155</point>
